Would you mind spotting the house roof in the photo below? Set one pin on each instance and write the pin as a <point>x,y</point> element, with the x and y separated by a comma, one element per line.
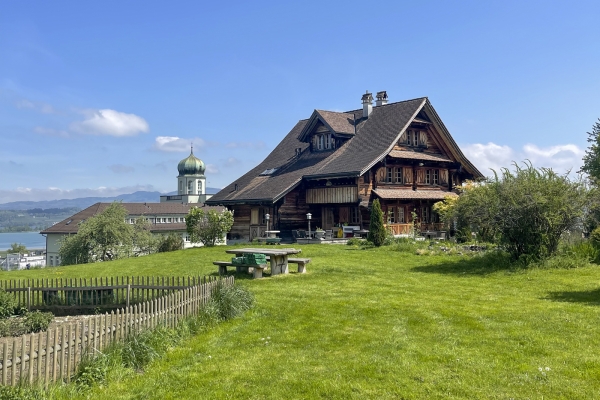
<point>407,194</point>
<point>375,138</point>
<point>71,224</point>
<point>416,155</point>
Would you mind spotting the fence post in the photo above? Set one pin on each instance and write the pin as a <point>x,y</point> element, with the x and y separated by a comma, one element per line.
<point>128,293</point>
<point>29,298</point>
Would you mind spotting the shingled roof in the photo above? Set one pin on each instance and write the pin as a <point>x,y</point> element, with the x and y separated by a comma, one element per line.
<point>375,137</point>
<point>71,224</point>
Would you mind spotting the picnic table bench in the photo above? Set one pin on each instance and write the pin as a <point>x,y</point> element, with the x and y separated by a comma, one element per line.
<point>278,259</point>
<point>256,269</point>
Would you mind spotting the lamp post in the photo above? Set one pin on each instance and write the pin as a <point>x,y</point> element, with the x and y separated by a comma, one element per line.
<point>267,217</point>
<point>308,217</point>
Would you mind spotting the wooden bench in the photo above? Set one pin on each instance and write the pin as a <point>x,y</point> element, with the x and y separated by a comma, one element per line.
<point>300,261</point>
<point>256,273</point>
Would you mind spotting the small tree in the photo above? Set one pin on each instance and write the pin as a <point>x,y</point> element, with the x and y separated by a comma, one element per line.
<point>171,242</point>
<point>208,227</point>
<point>377,231</point>
<point>144,242</point>
<point>591,159</point>
<point>17,248</point>
<point>103,237</point>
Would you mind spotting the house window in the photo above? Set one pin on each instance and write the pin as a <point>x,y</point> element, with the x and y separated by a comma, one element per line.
<point>391,217</point>
<point>320,142</point>
<point>436,177</point>
<point>400,215</point>
<point>428,176</point>
<point>398,177</point>
<point>164,220</point>
<point>324,141</point>
<point>190,187</point>
<point>389,174</point>
<point>425,215</point>
<point>199,187</point>
<point>169,220</point>
<point>415,138</point>
<point>187,238</point>
<point>354,215</point>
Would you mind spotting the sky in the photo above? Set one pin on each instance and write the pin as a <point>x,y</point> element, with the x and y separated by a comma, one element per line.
<point>105,98</point>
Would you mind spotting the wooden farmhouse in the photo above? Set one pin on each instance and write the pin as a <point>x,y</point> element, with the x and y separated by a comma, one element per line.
<point>334,164</point>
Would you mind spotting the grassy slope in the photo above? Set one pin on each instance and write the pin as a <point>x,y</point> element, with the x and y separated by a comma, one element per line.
<point>380,324</point>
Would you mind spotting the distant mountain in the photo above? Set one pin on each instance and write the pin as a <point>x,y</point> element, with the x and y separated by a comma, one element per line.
<point>84,202</point>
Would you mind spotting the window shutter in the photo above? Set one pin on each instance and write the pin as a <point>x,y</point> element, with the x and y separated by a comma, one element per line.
<point>254,216</point>
<point>407,174</point>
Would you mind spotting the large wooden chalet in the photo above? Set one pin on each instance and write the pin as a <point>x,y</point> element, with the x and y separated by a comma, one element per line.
<point>334,164</point>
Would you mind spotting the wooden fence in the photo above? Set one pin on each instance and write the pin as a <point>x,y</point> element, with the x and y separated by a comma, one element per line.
<point>54,355</point>
<point>61,295</point>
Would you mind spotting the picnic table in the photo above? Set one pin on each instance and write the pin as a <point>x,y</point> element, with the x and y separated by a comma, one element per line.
<point>278,257</point>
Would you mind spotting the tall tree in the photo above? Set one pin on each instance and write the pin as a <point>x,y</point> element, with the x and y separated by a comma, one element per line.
<point>17,248</point>
<point>103,237</point>
<point>591,159</point>
<point>208,227</point>
<point>377,231</point>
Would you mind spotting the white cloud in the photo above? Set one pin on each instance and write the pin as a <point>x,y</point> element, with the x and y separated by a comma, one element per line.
<point>55,193</point>
<point>110,122</point>
<point>561,158</point>
<point>174,144</point>
<point>212,169</point>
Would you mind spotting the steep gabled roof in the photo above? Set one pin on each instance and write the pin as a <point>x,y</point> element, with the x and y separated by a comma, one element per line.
<point>374,139</point>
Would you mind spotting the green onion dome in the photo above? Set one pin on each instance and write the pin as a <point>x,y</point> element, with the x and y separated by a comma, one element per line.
<point>191,165</point>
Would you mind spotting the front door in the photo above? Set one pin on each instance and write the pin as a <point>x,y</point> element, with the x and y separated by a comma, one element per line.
<point>327,218</point>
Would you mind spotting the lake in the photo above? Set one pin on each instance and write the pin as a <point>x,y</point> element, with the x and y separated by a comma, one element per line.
<point>31,240</point>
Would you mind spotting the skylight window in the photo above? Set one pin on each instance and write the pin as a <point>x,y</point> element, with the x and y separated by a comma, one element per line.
<point>269,171</point>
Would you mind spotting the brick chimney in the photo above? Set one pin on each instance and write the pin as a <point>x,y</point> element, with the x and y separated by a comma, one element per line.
<point>382,98</point>
<point>367,100</point>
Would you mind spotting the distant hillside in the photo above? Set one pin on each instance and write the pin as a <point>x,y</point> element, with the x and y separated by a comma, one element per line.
<point>84,202</point>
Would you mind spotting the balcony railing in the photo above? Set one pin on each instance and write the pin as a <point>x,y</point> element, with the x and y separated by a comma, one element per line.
<point>407,229</point>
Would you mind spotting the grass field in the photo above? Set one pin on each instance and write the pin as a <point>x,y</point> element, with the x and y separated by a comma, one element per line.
<point>378,323</point>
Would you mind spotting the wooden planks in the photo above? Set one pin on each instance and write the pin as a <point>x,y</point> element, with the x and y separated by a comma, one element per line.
<point>51,356</point>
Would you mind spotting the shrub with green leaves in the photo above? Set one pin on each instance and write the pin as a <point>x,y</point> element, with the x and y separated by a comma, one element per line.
<point>37,321</point>
<point>377,232</point>
<point>8,304</point>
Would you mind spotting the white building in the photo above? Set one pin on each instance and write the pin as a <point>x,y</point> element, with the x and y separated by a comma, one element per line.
<point>164,217</point>
<point>191,182</point>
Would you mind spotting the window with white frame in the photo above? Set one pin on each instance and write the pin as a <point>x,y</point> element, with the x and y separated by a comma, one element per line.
<point>428,177</point>
<point>400,215</point>
<point>169,220</point>
<point>190,187</point>
<point>199,187</point>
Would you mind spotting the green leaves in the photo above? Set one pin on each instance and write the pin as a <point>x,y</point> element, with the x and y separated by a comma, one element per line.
<point>208,226</point>
<point>377,231</point>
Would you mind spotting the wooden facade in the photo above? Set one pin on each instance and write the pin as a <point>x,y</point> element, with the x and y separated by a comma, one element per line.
<point>334,166</point>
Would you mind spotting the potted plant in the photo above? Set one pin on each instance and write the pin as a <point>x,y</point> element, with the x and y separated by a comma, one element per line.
<point>319,233</point>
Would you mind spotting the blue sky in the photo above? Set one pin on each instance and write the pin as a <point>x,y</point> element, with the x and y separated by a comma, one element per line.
<point>102,98</point>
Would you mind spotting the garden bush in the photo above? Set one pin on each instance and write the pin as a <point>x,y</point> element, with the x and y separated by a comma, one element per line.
<point>37,321</point>
<point>8,304</point>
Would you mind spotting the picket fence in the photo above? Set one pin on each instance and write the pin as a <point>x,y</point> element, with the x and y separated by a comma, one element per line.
<point>61,295</point>
<point>54,355</point>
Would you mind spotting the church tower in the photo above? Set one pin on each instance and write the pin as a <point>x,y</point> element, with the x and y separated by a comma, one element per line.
<point>191,182</point>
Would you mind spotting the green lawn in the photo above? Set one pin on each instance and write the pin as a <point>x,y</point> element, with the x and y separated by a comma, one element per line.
<point>379,324</point>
